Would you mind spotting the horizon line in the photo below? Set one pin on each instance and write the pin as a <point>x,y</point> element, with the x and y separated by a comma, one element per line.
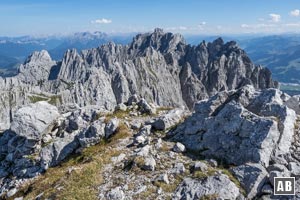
<point>115,33</point>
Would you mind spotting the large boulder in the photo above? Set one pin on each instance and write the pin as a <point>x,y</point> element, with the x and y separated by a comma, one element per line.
<point>214,186</point>
<point>239,126</point>
<point>34,120</point>
<point>250,129</point>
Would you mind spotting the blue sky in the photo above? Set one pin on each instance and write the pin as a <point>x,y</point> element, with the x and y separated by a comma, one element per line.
<point>33,17</point>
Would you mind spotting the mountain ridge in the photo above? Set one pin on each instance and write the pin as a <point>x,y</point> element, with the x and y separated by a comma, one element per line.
<point>158,66</point>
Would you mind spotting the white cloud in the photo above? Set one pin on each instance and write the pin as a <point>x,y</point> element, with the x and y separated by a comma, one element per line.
<point>245,26</point>
<point>171,28</point>
<point>257,26</point>
<point>101,21</point>
<point>275,17</point>
<point>265,25</point>
<point>292,25</point>
<point>183,28</point>
<point>179,28</point>
<point>295,13</point>
<point>202,23</point>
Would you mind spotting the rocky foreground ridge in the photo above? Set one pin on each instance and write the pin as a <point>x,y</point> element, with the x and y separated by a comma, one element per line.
<point>157,119</point>
<point>230,147</point>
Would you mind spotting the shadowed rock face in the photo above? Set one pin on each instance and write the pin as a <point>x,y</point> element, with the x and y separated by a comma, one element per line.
<point>158,66</point>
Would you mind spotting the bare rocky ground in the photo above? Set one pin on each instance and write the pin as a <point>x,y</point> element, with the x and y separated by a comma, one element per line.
<point>129,176</point>
<point>141,151</point>
<point>136,162</point>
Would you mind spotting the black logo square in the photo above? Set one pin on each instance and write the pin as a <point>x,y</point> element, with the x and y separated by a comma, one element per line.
<point>284,186</point>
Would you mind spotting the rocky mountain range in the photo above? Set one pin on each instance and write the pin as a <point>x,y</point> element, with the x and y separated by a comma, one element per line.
<point>158,66</point>
<point>279,53</point>
<point>156,119</point>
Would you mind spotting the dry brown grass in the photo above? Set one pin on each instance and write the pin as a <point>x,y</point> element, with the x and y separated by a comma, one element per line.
<point>80,183</point>
<point>202,175</point>
<point>171,187</point>
<point>209,197</point>
<point>117,114</point>
<point>165,147</point>
<point>139,161</point>
<point>147,194</point>
<point>164,108</point>
<point>121,133</point>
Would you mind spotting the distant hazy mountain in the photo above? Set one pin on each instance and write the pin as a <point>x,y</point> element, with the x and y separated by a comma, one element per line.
<point>8,65</point>
<point>281,54</point>
<point>196,39</point>
<point>7,62</point>
<point>20,47</point>
<point>14,50</point>
<point>86,40</point>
